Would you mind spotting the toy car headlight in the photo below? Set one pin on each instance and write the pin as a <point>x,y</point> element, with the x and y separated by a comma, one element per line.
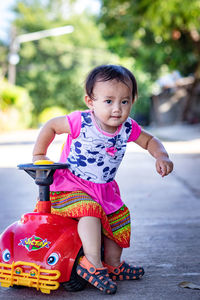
<point>6,255</point>
<point>18,271</point>
<point>53,259</point>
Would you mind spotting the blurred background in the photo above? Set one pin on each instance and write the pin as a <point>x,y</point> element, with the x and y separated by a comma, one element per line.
<point>47,48</point>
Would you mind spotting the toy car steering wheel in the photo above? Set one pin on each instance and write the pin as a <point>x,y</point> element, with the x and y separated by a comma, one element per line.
<point>42,172</point>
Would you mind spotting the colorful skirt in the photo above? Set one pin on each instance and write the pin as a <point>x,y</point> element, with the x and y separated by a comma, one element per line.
<point>115,226</point>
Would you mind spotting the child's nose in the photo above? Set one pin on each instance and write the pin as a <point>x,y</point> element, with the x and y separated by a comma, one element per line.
<point>117,107</point>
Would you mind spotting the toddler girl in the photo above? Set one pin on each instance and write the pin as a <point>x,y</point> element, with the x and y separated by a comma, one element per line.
<point>87,190</point>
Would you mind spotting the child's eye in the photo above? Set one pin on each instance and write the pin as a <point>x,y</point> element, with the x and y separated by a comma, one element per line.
<point>124,101</point>
<point>108,101</point>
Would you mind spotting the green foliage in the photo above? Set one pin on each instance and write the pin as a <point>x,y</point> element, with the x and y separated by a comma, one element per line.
<point>15,107</point>
<point>51,112</point>
<point>155,33</point>
<point>53,69</point>
<point>141,108</point>
<point>3,59</point>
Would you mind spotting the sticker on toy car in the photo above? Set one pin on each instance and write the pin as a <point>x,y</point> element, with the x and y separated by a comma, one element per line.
<point>34,243</point>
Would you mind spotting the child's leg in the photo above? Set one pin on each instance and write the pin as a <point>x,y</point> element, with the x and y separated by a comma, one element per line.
<point>112,252</point>
<point>112,261</point>
<point>89,230</point>
<point>90,266</point>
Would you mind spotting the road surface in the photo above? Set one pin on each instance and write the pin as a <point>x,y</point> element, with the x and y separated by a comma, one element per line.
<point>165,215</point>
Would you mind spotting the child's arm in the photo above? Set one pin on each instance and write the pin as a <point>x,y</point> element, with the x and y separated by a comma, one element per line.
<point>164,165</point>
<point>54,126</point>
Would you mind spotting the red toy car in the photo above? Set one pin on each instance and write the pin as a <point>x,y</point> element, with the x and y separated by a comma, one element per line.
<point>41,250</point>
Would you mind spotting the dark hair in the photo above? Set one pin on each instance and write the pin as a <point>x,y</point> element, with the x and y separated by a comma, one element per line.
<point>109,72</point>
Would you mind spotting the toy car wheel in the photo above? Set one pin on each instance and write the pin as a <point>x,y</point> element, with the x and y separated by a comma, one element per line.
<point>76,283</point>
<point>17,287</point>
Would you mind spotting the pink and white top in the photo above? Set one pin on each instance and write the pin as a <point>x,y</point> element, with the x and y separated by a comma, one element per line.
<point>93,157</point>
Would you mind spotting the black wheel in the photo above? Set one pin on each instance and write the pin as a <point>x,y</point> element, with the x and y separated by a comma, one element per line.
<point>76,283</point>
<point>17,287</point>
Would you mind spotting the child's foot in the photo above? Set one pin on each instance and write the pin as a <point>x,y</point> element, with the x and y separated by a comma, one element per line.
<point>98,277</point>
<point>124,272</point>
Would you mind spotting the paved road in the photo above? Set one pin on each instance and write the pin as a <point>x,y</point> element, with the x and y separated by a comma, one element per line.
<point>165,215</point>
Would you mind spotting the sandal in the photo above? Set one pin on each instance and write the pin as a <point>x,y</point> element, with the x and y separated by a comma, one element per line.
<point>98,277</point>
<point>124,272</point>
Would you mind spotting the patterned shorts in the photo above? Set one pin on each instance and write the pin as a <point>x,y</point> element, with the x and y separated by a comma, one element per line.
<point>115,226</point>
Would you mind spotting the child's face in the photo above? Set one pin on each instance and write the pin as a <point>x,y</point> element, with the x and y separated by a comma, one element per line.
<point>112,103</point>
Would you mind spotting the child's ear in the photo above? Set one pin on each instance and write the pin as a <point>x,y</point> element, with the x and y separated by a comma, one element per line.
<point>89,102</point>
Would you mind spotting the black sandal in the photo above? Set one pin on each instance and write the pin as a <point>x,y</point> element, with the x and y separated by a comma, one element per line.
<point>98,277</point>
<point>124,272</point>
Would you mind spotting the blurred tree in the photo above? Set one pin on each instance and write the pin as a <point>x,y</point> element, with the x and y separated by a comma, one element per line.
<point>156,33</point>
<point>53,69</point>
<point>3,60</point>
<point>15,107</point>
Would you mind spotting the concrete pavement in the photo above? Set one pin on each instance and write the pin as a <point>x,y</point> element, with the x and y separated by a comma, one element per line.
<point>165,214</point>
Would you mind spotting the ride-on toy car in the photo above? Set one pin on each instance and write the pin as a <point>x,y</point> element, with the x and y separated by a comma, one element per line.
<point>41,250</point>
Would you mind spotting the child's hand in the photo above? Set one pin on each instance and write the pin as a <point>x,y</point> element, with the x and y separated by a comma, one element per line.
<point>164,166</point>
<point>39,157</point>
